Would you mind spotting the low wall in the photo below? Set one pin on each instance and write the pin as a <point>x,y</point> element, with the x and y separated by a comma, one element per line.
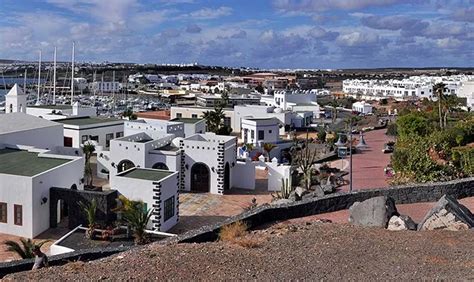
<point>84,255</point>
<point>406,194</point>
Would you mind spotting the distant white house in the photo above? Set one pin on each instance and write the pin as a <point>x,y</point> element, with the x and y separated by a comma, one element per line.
<point>362,107</point>
<point>260,130</point>
<point>467,91</point>
<point>15,100</point>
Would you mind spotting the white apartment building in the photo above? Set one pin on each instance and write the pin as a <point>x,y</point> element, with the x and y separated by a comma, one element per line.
<point>106,86</point>
<point>254,111</point>
<point>412,87</point>
<point>467,91</point>
<point>285,99</point>
<point>101,130</point>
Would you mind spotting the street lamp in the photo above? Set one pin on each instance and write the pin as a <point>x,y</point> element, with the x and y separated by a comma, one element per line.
<point>362,144</point>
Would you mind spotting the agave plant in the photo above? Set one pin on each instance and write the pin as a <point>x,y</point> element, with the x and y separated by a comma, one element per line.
<point>90,211</point>
<point>25,249</point>
<point>137,218</point>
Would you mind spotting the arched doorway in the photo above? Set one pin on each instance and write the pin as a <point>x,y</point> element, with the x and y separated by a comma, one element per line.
<point>160,166</point>
<point>73,187</point>
<point>226,177</point>
<point>125,165</point>
<point>200,178</point>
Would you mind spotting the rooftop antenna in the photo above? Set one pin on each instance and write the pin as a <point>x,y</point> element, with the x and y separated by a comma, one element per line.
<point>39,79</point>
<point>72,75</point>
<point>54,77</point>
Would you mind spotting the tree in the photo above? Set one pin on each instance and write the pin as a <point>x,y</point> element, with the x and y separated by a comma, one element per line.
<point>137,218</point>
<point>439,89</point>
<point>267,148</point>
<point>88,149</point>
<point>25,250</point>
<point>304,159</point>
<point>224,99</point>
<point>259,88</point>
<point>128,113</point>
<point>412,124</point>
<point>215,120</point>
<point>90,211</point>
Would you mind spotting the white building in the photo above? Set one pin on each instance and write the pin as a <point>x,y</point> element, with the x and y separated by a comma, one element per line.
<point>58,112</point>
<point>285,99</point>
<point>101,130</point>
<point>198,112</point>
<point>155,128</point>
<point>26,176</point>
<point>362,107</point>
<point>23,129</point>
<point>253,111</point>
<point>106,86</point>
<point>192,125</point>
<point>467,91</point>
<point>158,189</point>
<point>260,130</point>
<point>15,100</point>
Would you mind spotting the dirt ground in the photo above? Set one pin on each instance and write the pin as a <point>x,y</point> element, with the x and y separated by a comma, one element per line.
<point>307,251</point>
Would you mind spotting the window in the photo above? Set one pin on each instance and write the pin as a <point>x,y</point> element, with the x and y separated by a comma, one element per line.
<point>227,121</point>
<point>3,212</point>
<point>270,131</point>
<point>179,115</point>
<point>252,134</point>
<point>108,137</point>
<point>169,208</point>
<point>84,138</point>
<point>94,138</point>
<point>119,134</point>
<point>261,135</point>
<point>18,212</point>
<point>194,115</point>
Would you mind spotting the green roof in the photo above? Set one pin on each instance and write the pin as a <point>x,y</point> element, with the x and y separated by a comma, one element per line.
<point>24,163</point>
<point>52,107</point>
<point>188,120</point>
<point>147,174</point>
<point>86,120</point>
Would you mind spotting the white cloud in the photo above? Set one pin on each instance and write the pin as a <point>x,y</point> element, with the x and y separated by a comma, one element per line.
<point>208,13</point>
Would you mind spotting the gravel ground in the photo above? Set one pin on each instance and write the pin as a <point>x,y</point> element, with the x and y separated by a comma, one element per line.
<point>287,252</point>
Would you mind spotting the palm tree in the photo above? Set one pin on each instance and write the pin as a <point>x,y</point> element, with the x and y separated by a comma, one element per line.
<point>438,89</point>
<point>267,147</point>
<point>25,250</point>
<point>88,149</point>
<point>137,218</point>
<point>214,119</point>
<point>90,211</point>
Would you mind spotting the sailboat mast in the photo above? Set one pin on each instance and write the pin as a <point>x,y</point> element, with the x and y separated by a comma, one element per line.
<point>24,81</point>
<point>39,79</point>
<point>72,75</point>
<point>94,84</point>
<point>54,77</point>
<point>113,91</point>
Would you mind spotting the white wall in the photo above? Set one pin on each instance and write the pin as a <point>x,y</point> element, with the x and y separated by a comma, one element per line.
<point>76,134</point>
<point>243,175</point>
<point>44,138</point>
<point>155,128</point>
<point>63,176</point>
<point>275,174</point>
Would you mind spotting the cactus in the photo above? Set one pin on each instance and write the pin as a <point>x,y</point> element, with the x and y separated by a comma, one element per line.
<point>285,188</point>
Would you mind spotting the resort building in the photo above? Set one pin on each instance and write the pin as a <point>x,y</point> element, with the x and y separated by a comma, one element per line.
<point>158,189</point>
<point>101,130</point>
<point>26,176</point>
<point>362,107</point>
<point>22,129</point>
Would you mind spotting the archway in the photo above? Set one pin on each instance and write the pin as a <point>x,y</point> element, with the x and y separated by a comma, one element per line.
<point>160,165</point>
<point>200,178</point>
<point>124,165</point>
<point>73,187</point>
<point>226,177</point>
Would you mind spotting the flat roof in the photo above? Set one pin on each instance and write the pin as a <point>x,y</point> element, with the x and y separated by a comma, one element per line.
<point>168,148</point>
<point>187,120</point>
<point>52,107</point>
<point>24,163</point>
<point>147,174</point>
<point>87,120</point>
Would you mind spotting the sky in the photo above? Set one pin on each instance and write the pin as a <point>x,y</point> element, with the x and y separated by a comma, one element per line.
<point>244,33</point>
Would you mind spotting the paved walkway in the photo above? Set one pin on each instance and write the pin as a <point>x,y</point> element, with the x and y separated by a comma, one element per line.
<point>368,165</point>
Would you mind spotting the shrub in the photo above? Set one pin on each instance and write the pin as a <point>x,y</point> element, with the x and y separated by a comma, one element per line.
<point>232,231</point>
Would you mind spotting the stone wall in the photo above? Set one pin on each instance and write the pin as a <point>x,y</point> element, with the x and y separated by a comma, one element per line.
<point>85,255</point>
<point>105,203</point>
<point>406,194</point>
